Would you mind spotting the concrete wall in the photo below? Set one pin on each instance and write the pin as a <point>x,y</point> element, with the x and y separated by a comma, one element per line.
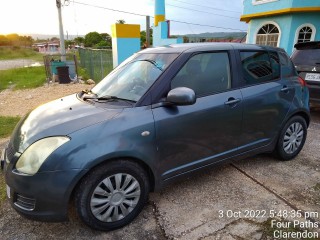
<point>125,41</point>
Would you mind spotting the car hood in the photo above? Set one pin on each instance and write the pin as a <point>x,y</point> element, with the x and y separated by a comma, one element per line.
<point>58,118</point>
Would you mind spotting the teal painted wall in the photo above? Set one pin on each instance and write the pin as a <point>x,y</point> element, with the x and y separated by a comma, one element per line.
<point>288,25</point>
<point>160,36</point>
<point>124,48</point>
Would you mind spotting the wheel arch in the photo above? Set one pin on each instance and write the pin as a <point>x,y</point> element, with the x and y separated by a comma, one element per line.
<point>147,168</point>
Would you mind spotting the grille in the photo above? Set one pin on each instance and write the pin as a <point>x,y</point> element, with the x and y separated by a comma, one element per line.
<point>25,203</point>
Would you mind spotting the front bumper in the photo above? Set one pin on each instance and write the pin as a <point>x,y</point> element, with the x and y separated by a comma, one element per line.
<point>44,196</point>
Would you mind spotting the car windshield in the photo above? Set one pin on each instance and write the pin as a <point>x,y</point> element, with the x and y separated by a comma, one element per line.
<point>306,57</point>
<point>134,77</point>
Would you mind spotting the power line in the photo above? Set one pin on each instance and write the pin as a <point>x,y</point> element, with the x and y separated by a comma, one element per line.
<point>194,10</point>
<point>220,9</point>
<point>143,15</point>
<point>111,9</point>
<point>204,25</point>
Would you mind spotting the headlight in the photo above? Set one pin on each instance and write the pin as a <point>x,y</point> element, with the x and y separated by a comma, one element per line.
<point>33,157</point>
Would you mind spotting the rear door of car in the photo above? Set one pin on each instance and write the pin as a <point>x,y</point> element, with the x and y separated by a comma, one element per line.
<point>190,137</point>
<point>267,97</point>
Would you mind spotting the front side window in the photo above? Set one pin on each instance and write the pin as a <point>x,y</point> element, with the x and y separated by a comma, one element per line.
<point>260,67</point>
<point>205,73</point>
<point>133,78</point>
<point>305,34</point>
<point>268,35</point>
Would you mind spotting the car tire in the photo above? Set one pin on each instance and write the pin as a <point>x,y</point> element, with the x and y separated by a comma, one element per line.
<point>291,139</point>
<point>112,195</point>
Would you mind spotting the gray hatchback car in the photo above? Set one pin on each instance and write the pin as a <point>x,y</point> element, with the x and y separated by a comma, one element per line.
<point>162,114</point>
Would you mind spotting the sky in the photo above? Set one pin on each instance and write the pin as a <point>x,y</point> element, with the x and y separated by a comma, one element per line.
<point>41,16</point>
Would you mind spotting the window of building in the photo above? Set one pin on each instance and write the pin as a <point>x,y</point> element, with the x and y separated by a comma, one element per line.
<point>260,67</point>
<point>305,34</point>
<point>205,73</point>
<point>268,35</point>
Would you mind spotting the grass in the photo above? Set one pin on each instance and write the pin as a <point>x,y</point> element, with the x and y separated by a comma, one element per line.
<point>22,78</point>
<point>7,125</point>
<point>8,53</point>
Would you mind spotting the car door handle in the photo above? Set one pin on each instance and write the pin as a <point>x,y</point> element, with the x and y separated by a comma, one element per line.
<point>285,89</point>
<point>232,101</point>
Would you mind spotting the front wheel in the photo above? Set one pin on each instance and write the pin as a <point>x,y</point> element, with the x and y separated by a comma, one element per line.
<point>112,195</point>
<point>292,138</point>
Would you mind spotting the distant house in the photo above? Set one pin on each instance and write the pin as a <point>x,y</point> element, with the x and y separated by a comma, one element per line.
<point>282,23</point>
<point>47,47</point>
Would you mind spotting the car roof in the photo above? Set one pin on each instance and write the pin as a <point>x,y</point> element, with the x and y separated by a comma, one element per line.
<point>307,45</point>
<point>198,47</point>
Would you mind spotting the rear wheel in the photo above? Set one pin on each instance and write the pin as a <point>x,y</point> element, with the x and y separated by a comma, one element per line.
<point>291,138</point>
<point>112,195</point>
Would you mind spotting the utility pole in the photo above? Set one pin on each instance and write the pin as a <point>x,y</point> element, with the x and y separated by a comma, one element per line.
<point>148,31</point>
<point>62,47</point>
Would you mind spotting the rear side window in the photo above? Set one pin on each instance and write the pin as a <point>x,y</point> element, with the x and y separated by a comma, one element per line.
<point>287,66</point>
<point>205,73</point>
<point>259,67</point>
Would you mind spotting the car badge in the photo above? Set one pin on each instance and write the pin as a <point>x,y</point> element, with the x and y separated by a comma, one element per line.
<point>314,69</point>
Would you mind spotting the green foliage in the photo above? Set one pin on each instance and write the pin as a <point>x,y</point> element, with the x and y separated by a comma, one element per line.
<point>7,125</point>
<point>22,78</point>
<point>18,52</point>
<point>83,73</point>
<point>78,40</point>
<point>120,21</point>
<point>143,37</point>
<point>15,40</point>
<point>68,43</point>
<point>92,38</point>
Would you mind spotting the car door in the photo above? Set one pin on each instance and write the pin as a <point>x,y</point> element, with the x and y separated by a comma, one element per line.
<point>190,137</point>
<point>267,97</point>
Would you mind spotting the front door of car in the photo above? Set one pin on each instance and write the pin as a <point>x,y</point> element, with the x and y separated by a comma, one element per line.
<point>190,137</point>
<point>267,98</point>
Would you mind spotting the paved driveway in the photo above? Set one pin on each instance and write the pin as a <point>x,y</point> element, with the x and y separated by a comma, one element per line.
<point>241,200</point>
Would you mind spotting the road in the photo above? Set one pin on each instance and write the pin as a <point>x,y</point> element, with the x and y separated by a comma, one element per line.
<point>216,204</point>
<point>17,63</point>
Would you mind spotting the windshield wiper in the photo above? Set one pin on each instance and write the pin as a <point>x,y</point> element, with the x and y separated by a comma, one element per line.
<point>107,97</point>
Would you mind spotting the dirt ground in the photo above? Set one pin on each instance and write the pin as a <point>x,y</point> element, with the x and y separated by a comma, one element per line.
<point>221,203</point>
<point>20,102</point>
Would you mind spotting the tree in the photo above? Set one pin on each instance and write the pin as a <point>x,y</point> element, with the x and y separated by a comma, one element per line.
<point>78,40</point>
<point>54,39</point>
<point>107,40</point>
<point>143,37</point>
<point>92,38</point>
<point>121,21</point>
<point>4,41</point>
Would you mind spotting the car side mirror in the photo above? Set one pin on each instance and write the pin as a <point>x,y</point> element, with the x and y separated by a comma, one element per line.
<point>181,96</point>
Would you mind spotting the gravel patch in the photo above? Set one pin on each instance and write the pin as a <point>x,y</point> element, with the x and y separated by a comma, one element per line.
<point>20,102</point>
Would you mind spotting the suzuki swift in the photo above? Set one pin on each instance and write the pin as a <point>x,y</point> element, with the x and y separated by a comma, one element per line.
<point>162,114</point>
